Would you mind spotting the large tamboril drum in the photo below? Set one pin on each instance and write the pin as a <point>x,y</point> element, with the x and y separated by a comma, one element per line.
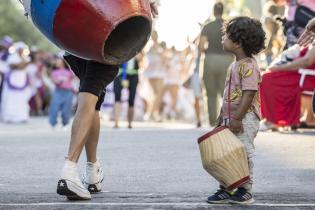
<point>224,157</point>
<point>108,31</point>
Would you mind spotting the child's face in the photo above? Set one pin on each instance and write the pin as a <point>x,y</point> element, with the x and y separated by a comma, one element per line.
<point>228,45</point>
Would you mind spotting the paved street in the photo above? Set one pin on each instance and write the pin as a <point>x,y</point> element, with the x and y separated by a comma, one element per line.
<point>154,166</point>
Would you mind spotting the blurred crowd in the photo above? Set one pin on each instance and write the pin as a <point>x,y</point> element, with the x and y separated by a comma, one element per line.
<point>162,83</point>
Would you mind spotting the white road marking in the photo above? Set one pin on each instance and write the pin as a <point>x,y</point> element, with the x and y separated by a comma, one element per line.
<point>154,204</point>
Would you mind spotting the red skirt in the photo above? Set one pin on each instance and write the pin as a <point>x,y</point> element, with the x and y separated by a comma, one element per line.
<point>281,96</point>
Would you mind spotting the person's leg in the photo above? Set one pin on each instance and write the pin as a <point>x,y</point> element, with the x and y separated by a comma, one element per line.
<point>66,107</point>
<point>211,99</point>
<point>117,105</point>
<point>54,108</point>
<point>82,123</point>
<point>94,77</point>
<point>197,111</point>
<point>310,119</point>
<point>92,139</point>
<point>69,184</point>
<point>174,96</point>
<point>157,86</point>
<point>251,126</point>
<point>210,89</point>
<point>38,103</point>
<point>133,83</point>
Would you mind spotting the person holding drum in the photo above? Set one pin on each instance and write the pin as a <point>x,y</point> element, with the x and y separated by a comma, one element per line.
<point>244,37</point>
<point>94,77</point>
<point>107,35</point>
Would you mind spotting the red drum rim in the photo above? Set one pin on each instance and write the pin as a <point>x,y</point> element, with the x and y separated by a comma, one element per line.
<point>211,133</point>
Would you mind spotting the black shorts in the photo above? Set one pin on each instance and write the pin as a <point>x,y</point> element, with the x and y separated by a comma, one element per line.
<point>94,76</point>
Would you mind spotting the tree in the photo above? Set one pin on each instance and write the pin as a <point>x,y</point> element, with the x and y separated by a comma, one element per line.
<point>14,23</point>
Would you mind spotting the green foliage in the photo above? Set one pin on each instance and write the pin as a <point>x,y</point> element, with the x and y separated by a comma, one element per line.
<point>15,24</point>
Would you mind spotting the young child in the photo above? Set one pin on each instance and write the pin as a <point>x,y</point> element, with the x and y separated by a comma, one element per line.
<point>244,37</point>
<point>63,94</point>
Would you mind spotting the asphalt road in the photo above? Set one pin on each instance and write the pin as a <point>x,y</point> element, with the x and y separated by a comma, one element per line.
<point>154,166</point>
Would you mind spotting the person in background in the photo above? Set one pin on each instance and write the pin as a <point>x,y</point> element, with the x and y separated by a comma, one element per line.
<point>155,73</point>
<point>274,35</point>
<point>216,62</point>
<point>62,97</point>
<point>127,78</point>
<point>36,69</point>
<point>298,11</point>
<point>16,89</point>
<point>307,38</point>
<point>281,107</point>
<point>5,44</point>
<point>244,37</point>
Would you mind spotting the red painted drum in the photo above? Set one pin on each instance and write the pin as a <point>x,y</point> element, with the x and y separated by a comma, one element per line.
<point>108,31</point>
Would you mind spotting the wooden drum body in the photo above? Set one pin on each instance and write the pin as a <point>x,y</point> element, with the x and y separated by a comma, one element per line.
<point>224,157</point>
<point>108,31</point>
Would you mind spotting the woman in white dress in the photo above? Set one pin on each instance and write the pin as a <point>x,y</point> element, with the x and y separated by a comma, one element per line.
<point>16,88</point>
<point>155,73</point>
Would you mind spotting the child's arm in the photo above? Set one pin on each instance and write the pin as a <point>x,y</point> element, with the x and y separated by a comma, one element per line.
<point>246,102</point>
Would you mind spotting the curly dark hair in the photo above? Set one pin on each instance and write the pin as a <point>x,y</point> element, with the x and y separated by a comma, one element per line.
<point>246,32</point>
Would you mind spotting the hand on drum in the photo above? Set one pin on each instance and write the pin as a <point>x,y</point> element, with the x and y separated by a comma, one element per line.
<point>236,126</point>
<point>154,9</point>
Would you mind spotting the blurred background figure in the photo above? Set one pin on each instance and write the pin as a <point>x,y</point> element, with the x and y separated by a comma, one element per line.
<point>5,44</point>
<point>298,13</point>
<point>16,89</point>
<point>274,42</point>
<point>196,85</point>
<point>155,73</point>
<point>127,78</point>
<point>36,70</point>
<point>216,62</point>
<point>284,98</point>
<point>63,94</point>
<point>172,81</point>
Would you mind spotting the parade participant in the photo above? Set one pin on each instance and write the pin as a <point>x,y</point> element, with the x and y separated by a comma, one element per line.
<point>16,89</point>
<point>94,77</point>
<point>155,73</point>
<point>98,44</point>
<point>244,37</point>
<point>127,78</point>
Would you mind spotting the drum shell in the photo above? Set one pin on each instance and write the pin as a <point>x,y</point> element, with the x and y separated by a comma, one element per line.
<point>83,27</point>
<point>224,157</point>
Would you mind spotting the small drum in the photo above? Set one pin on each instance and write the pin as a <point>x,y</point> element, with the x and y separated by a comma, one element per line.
<point>224,157</point>
<point>108,31</point>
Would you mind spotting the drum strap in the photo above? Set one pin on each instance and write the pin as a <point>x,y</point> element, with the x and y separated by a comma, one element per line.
<point>229,94</point>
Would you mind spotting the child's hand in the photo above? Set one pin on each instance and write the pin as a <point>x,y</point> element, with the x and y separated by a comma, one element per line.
<point>235,126</point>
